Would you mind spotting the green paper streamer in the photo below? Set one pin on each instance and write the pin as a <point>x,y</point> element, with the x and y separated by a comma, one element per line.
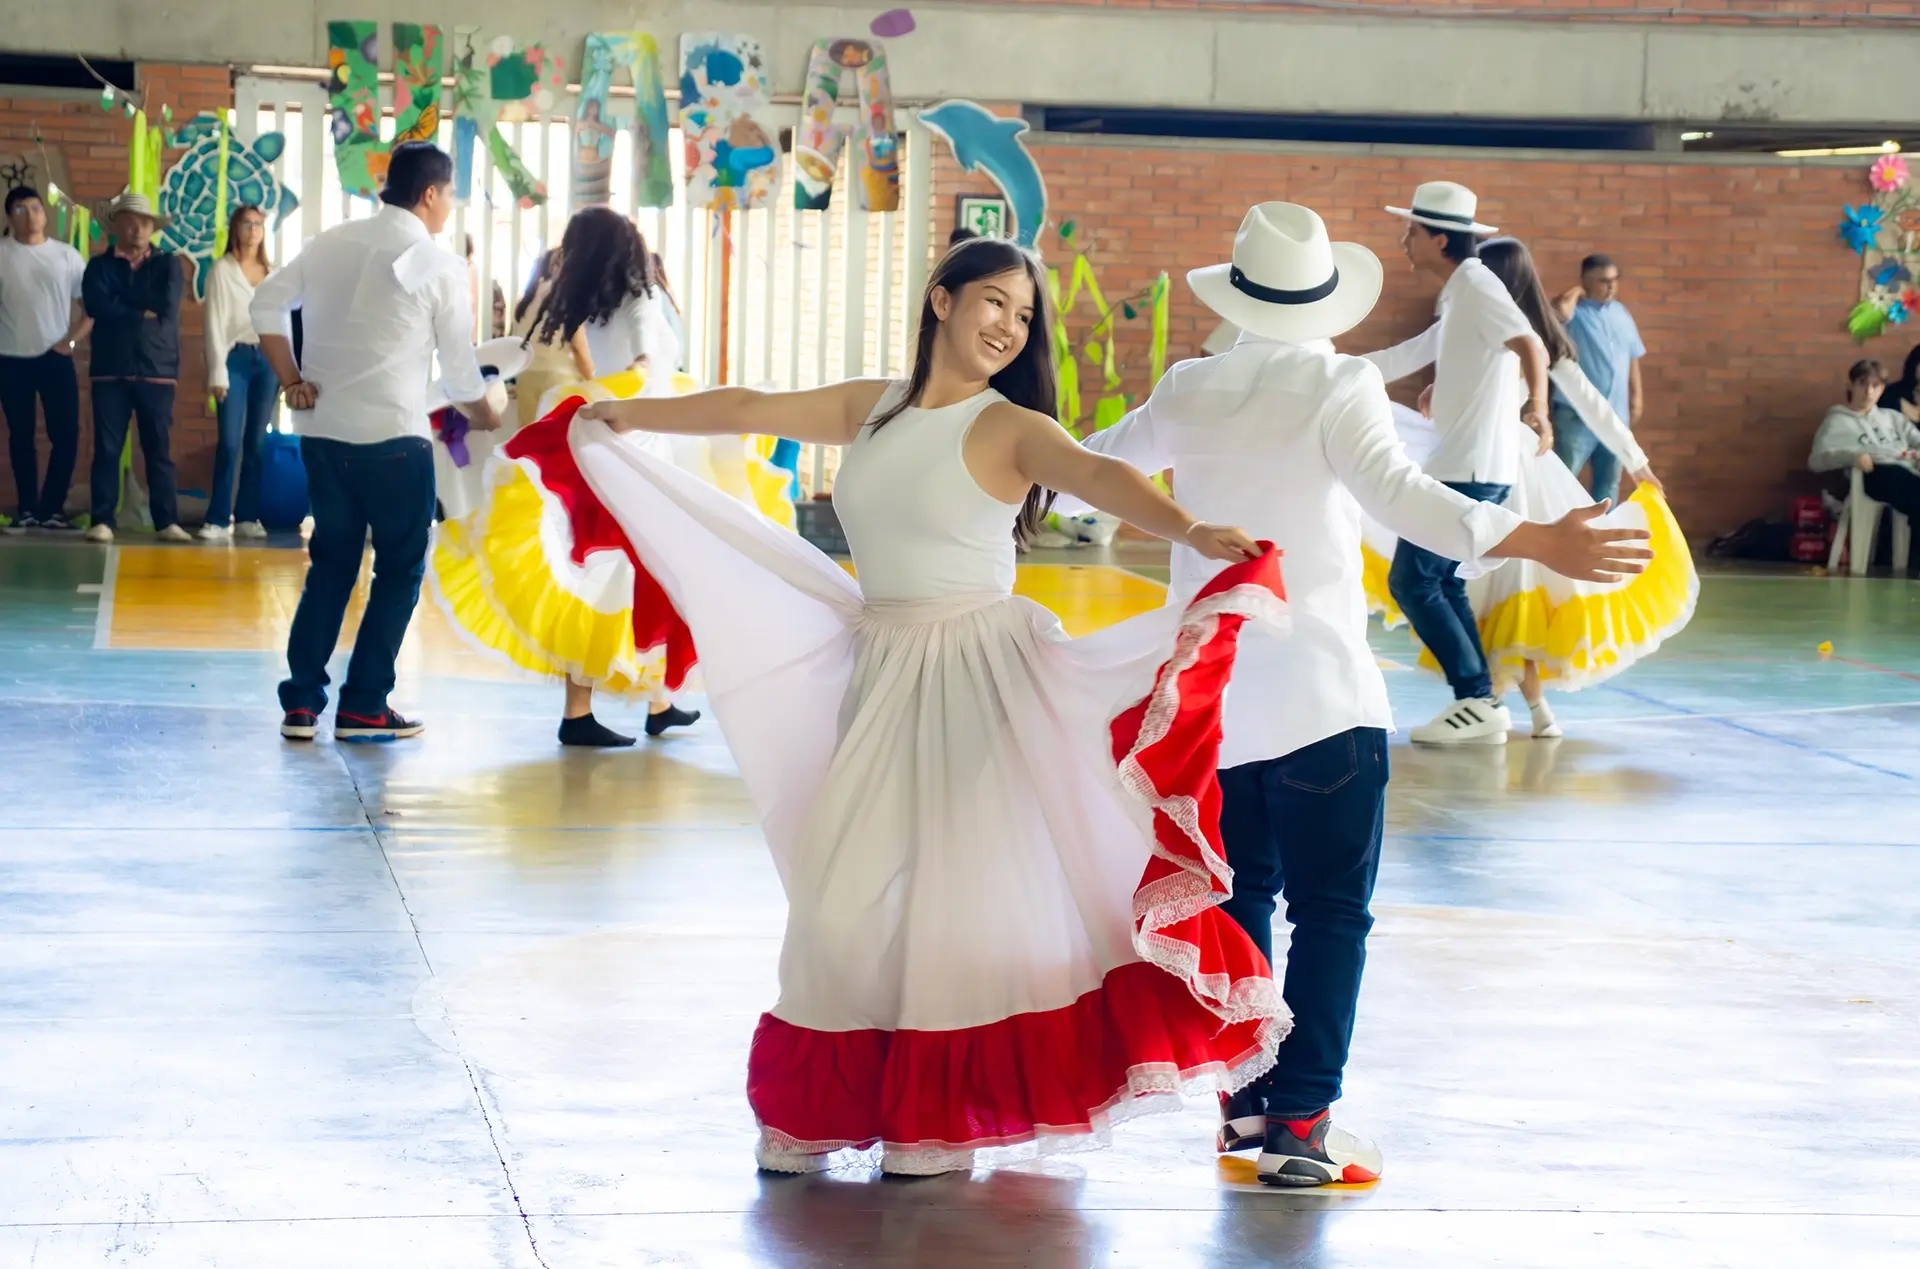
<point>220,196</point>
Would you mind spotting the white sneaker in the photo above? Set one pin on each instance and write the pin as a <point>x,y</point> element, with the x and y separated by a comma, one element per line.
<point>1479,721</point>
<point>174,533</point>
<point>214,533</point>
<point>100,533</point>
<point>249,529</point>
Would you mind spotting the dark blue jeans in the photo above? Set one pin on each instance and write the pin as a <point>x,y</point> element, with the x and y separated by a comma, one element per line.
<point>386,488</point>
<point>1435,602</point>
<point>1307,826</point>
<point>48,379</point>
<point>1577,446</point>
<point>244,415</point>
<point>150,406</point>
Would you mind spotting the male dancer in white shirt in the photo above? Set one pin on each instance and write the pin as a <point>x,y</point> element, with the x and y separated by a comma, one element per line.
<point>379,298</point>
<point>1282,435</point>
<point>1481,343</point>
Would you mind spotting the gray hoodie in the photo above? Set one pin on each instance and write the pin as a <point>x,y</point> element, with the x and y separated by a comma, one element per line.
<point>1881,434</point>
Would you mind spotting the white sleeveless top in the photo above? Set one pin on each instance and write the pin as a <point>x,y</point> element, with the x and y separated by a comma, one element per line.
<point>918,524</point>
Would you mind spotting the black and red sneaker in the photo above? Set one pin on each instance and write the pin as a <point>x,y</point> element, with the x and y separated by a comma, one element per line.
<point>383,726</point>
<point>1305,1152</point>
<point>299,724</point>
<point>1243,1121</point>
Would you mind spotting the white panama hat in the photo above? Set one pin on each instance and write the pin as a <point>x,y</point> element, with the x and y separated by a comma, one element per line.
<point>1445,205</point>
<point>1287,281</point>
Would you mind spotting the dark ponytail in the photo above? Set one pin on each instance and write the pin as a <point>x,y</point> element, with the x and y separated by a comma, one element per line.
<point>1027,381</point>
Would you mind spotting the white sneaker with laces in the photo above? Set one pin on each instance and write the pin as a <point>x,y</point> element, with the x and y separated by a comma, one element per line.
<point>249,529</point>
<point>214,533</point>
<point>100,533</point>
<point>1475,721</point>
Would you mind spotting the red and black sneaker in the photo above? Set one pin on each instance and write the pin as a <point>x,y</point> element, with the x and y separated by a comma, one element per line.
<point>1243,1121</point>
<point>383,726</point>
<point>1305,1152</point>
<point>299,724</point>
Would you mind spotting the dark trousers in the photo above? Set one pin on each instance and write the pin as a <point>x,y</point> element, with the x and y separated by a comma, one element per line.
<point>1895,486</point>
<point>49,380</point>
<point>251,389</point>
<point>151,404</point>
<point>1435,602</point>
<point>1307,826</point>
<point>386,488</point>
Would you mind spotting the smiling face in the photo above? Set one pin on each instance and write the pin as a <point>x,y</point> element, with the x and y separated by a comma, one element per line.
<point>984,326</point>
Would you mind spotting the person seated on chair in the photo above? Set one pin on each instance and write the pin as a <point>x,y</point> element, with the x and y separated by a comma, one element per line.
<point>1884,444</point>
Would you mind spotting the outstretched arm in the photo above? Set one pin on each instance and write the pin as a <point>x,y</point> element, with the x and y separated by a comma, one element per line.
<point>832,415</point>
<point>1044,454</point>
<point>1416,354</point>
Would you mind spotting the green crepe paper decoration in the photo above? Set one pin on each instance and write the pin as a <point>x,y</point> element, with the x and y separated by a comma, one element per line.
<point>220,194</point>
<point>1101,348</point>
<point>1866,320</point>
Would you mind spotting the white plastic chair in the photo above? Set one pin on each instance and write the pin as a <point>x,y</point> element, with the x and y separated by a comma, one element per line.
<point>1854,536</point>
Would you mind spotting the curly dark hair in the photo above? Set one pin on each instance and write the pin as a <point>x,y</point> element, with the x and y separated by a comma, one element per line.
<point>604,262</point>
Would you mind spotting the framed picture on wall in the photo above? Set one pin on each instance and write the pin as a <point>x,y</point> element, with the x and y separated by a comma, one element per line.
<point>985,214</point>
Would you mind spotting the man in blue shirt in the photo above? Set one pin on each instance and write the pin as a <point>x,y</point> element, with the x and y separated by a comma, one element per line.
<point>1610,352</point>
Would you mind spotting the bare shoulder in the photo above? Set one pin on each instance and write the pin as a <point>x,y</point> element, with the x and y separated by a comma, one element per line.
<point>1018,420</point>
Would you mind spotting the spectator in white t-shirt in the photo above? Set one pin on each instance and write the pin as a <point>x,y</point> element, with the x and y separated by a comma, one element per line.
<point>41,316</point>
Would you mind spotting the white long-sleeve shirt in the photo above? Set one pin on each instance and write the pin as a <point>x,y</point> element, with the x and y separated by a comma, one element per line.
<point>1881,434</point>
<point>1476,383</point>
<point>1597,413</point>
<point>228,321</point>
<point>1290,442</point>
<point>378,299</point>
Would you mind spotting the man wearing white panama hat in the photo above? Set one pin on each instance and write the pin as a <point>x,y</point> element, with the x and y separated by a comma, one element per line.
<point>1482,344</point>
<point>1284,435</point>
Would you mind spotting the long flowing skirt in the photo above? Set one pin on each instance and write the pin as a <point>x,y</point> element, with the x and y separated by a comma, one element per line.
<point>999,845</point>
<point>1578,633</point>
<point>534,573</point>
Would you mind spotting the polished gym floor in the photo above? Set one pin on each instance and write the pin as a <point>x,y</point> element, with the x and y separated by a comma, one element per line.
<point>1648,995</point>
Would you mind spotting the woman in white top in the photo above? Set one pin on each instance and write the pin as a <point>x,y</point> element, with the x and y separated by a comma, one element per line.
<point>243,384</point>
<point>1540,629</point>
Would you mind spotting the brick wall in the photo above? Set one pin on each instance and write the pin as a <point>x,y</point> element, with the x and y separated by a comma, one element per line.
<point>1734,274</point>
<point>1724,12</point>
<point>95,145</point>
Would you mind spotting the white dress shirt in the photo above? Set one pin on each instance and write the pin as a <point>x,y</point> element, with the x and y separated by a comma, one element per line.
<point>1597,413</point>
<point>1290,442</point>
<point>1477,384</point>
<point>229,297</point>
<point>378,298</point>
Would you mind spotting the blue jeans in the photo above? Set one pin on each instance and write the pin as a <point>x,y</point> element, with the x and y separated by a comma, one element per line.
<point>1577,446</point>
<point>1307,826</point>
<point>244,415</point>
<point>1435,602</point>
<point>386,488</point>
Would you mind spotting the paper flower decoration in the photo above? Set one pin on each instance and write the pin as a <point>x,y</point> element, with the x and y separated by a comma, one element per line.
<point>1891,272</point>
<point>1867,320</point>
<point>1888,173</point>
<point>1861,225</point>
<point>1898,312</point>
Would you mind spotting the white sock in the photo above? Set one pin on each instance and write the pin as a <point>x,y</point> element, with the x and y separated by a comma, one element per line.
<point>1542,714</point>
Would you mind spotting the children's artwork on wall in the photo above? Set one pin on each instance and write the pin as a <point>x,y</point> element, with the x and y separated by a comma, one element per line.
<point>984,142</point>
<point>1885,232</point>
<point>218,173</point>
<point>596,120</point>
<point>731,158</point>
<point>353,111</point>
<point>818,139</point>
<point>417,61</point>
<point>480,76</point>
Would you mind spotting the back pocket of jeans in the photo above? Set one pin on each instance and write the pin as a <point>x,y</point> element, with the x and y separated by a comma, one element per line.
<point>1322,767</point>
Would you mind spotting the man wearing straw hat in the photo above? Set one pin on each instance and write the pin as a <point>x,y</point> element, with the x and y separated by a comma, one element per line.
<point>132,293</point>
<point>1285,436</point>
<point>1480,347</point>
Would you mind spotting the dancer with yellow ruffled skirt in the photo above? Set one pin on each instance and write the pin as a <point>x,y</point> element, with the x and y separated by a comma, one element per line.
<point>1541,630</point>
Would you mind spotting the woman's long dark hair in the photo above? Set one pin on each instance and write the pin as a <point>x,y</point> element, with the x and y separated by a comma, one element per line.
<point>541,269</point>
<point>1907,387</point>
<point>604,262</point>
<point>1512,263</point>
<point>233,231</point>
<point>1028,380</point>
